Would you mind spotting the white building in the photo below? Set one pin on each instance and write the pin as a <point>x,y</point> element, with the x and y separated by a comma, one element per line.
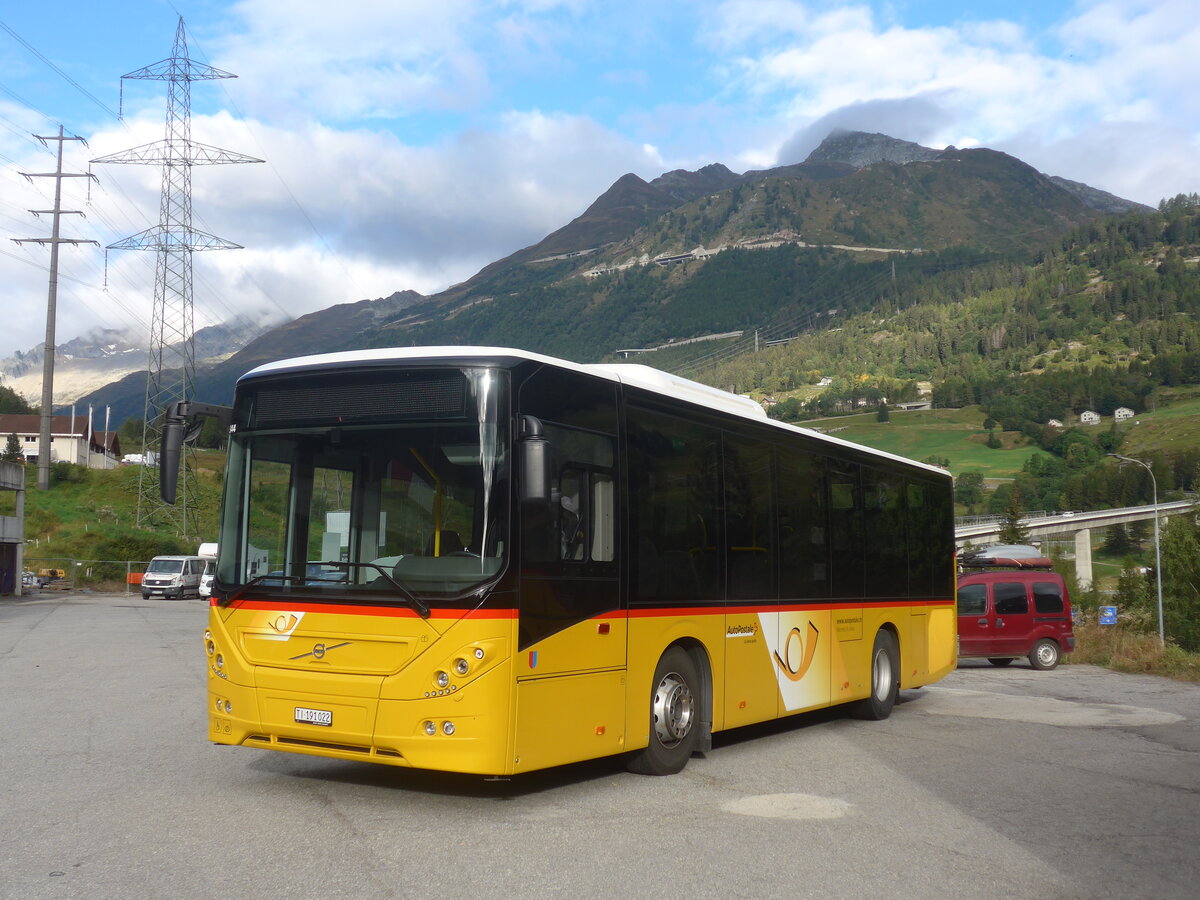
<point>1121,413</point>
<point>71,440</point>
<point>1054,423</point>
<point>1089,418</point>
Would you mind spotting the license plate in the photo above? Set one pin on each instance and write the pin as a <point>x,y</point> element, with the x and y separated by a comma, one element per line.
<point>314,716</point>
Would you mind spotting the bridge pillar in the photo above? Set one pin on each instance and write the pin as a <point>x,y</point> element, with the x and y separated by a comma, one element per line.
<point>1083,557</point>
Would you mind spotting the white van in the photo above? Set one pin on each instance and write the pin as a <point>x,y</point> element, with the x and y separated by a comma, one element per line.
<point>173,577</point>
<point>207,552</point>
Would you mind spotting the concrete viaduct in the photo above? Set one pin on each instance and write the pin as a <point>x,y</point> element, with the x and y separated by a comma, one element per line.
<point>1080,524</point>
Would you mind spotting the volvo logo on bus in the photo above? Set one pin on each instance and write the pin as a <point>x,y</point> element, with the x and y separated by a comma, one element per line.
<point>319,650</point>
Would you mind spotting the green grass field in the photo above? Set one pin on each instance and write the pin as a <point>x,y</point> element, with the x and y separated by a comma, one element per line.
<point>1167,430</point>
<point>956,434</point>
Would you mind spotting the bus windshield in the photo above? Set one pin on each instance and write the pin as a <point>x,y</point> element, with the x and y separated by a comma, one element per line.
<point>391,485</point>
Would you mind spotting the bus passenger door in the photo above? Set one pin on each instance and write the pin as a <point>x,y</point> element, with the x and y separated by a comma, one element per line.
<point>572,634</point>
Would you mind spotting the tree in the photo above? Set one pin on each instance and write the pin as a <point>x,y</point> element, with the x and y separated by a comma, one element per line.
<point>883,415</point>
<point>12,452</point>
<point>968,488</point>
<point>1116,541</point>
<point>1181,581</point>
<point>12,403</point>
<point>1012,532</point>
<point>213,434</point>
<point>1133,590</point>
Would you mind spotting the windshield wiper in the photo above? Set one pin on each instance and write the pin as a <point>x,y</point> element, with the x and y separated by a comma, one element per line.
<point>257,581</point>
<point>278,579</point>
<point>414,601</point>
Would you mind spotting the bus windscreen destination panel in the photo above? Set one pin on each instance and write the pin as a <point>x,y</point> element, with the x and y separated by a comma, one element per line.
<point>361,399</point>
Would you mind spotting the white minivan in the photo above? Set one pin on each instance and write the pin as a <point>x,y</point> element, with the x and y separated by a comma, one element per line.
<point>173,577</point>
<point>208,552</point>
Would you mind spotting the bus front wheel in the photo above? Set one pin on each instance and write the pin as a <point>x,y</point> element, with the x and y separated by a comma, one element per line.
<point>885,679</point>
<point>674,716</point>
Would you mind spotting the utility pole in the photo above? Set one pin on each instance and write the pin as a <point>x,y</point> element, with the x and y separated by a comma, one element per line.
<point>43,479</point>
<point>172,363</point>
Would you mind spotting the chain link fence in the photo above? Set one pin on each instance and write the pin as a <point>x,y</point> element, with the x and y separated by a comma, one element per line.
<point>61,573</point>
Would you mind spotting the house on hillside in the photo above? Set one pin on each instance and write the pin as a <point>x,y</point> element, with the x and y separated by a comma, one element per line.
<point>1121,413</point>
<point>1054,423</point>
<point>71,440</point>
<point>1088,417</point>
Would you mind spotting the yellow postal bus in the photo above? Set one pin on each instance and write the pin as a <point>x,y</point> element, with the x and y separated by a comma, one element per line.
<point>489,561</point>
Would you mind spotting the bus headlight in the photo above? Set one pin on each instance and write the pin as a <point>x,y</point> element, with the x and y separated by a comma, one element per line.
<point>461,667</point>
<point>220,660</point>
<point>448,728</point>
<point>479,653</point>
<point>441,679</point>
<point>430,729</point>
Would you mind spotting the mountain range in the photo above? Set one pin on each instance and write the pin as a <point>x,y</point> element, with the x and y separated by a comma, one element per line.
<point>690,253</point>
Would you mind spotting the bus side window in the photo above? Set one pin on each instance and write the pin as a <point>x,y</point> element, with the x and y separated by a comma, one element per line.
<point>803,526</point>
<point>846,530</point>
<point>886,541</point>
<point>579,525</point>
<point>675,502</point>
<point>749,519</point>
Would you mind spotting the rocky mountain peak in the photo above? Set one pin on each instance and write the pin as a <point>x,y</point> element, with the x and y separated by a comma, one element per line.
<point>860,149</point>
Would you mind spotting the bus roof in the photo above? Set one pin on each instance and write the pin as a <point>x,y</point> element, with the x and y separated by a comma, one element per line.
<point>635,375</point>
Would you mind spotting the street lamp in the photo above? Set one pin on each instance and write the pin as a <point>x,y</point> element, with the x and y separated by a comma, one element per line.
<point>1157,554</point>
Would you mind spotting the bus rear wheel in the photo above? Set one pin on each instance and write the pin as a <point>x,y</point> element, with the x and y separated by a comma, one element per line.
<point>885,679</point>
<point>674,716</point>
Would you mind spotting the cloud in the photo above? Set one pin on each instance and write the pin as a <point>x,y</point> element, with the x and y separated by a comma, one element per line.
<point>917,119</point>
<point>1117,71</point>
<point>333,215</point>
<point>353,59</point>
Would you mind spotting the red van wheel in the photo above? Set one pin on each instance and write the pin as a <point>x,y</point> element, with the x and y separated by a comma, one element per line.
<point>1044,655</point>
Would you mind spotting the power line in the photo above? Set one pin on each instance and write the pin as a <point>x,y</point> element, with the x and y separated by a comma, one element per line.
<point>75,84</point>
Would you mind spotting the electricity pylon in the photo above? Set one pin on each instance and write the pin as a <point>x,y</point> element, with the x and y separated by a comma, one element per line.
<point>55,239</point>
<point>171,369</point>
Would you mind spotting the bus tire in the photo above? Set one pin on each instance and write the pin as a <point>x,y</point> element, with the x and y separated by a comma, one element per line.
<point>885,679</point>
<point>1044,655</point>
<point>675,713</point>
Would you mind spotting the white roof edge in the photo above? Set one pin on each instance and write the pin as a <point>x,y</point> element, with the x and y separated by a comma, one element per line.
<point>633,374</point>
<point>676,386</point>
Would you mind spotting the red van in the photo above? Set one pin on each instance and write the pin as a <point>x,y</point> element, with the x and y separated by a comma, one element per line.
<point>1006,614</point>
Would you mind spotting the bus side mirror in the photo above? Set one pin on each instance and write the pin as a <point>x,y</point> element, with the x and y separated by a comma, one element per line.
<point>169,452</point>
<point>533,462</point>
<point>179,429</point>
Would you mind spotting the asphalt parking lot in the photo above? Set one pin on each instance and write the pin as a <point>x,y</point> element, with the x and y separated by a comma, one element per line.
<point>995,782</point>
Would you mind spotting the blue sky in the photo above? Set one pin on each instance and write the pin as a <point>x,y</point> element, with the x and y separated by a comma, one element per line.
<point>410,143</point>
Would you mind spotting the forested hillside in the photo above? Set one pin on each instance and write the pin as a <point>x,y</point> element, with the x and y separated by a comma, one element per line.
<point>1103,315</point>
<point>1107,317</point>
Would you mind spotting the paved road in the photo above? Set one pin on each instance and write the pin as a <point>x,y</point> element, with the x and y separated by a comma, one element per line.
<point>1073,783</point>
